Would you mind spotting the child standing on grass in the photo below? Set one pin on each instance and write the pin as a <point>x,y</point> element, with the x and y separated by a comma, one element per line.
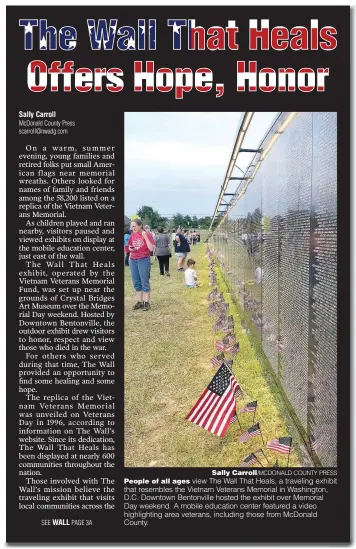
<point>190,275</point>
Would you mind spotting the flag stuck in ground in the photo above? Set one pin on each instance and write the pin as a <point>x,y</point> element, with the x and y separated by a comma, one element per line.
<point>220,322</point>
<point>218,325</point>
<point>218,360</point>
<point>212,308</point>
<point>227,343</point>
<point>229,363</point>
<point>223,345</point>
<point>234,349</point>
<point>213,294</point>
<point>227,329</point>
<point>248,461</point>
<point>234,418</point>
<point>229,321</point>
<point>250,407</point>
<point>282,445</point>
<point>216,406</point>
<point>253,431</point>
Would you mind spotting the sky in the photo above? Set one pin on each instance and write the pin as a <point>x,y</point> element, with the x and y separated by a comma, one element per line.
<point>176,161</point>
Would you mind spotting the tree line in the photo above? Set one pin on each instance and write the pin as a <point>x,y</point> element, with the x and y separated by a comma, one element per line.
<point>152,218</point>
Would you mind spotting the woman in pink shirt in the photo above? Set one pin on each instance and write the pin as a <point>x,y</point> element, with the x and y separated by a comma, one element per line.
<point>141,244</point>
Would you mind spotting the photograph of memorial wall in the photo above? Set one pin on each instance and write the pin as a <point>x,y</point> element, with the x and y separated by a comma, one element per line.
<point>277,247</point>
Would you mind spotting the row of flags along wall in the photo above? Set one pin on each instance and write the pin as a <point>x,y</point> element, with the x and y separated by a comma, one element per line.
<point>216,409</point>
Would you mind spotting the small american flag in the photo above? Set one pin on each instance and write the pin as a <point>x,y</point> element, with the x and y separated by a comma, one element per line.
<point>250,407</point>
<point>253,431</point>
<point>216,406</point>
<point>234,349</point>
<point>248,461</point>
<point>226,343</point>
<point>218,360</point>
<point>212,308</point>
<point>220,345</point>
<point>221,317</point>
<point>213,294</point>
<point>218,325</point>
<point>228,323</point>
<point>282,445</point>
<point>233,419</point>
<point>228,326</point>
<point>228,363</point>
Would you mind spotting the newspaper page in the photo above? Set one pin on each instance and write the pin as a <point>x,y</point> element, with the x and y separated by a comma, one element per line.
<point>178,274</point>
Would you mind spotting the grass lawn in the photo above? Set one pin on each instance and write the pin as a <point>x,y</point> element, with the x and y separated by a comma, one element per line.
<point>167,366</point>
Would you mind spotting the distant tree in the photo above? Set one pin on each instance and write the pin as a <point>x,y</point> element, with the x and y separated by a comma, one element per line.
<point>187,222</point>
<point>178,220</point>
<point>164,221</point>
<point>204,222</point>
<point>170,224</point>
<point>151,217</point>
<point>145,213</point>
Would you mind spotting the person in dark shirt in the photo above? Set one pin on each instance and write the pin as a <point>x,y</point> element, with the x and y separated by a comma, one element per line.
<point>181,247</point>
<point>163,251</point>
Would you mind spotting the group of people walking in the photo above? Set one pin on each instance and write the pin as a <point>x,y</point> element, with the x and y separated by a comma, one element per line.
<point>140,243</point>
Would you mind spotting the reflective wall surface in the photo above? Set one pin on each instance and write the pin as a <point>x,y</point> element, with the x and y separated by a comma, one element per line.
<point>278,248</point>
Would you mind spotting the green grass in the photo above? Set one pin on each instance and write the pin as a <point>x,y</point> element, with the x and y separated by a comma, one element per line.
<point>167,366</point>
